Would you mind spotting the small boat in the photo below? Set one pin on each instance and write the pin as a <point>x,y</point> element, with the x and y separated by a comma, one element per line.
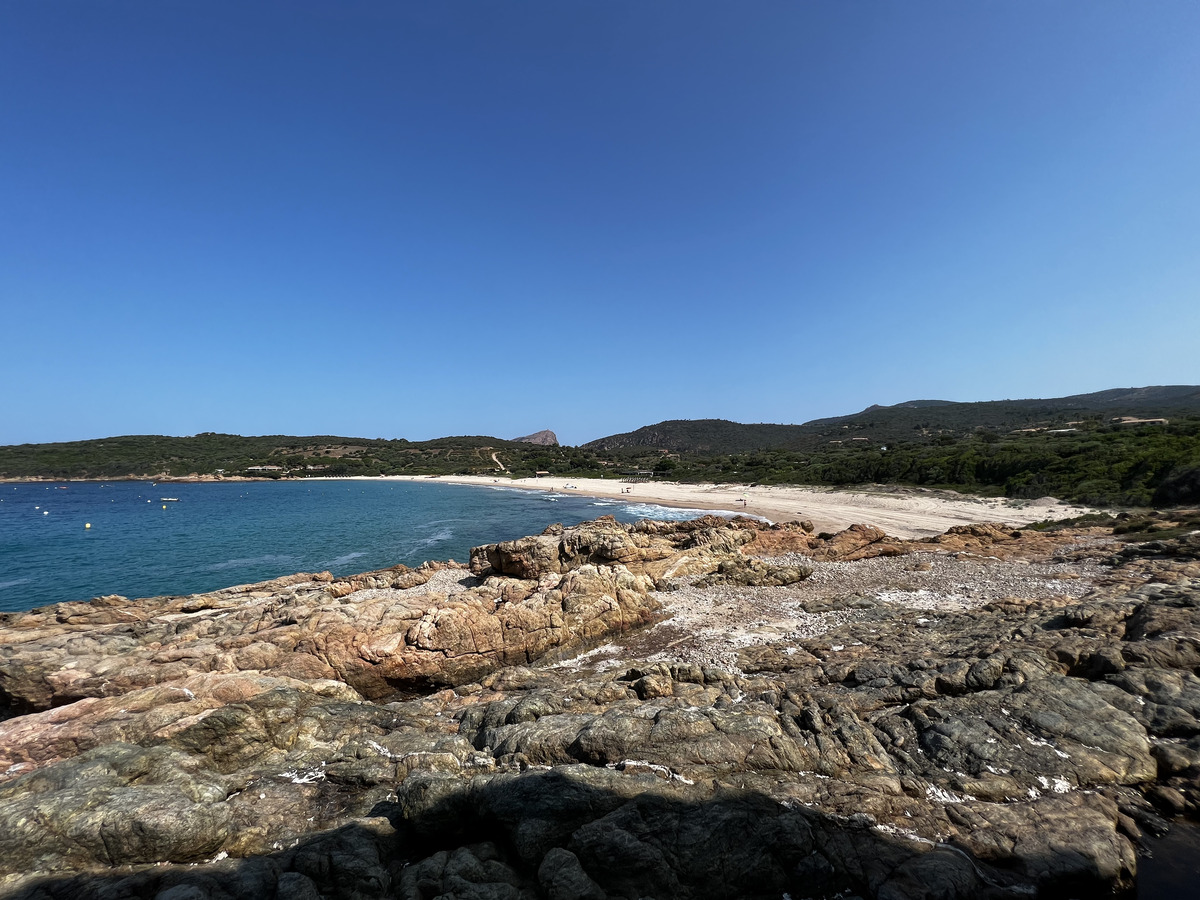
<point>169,499</point>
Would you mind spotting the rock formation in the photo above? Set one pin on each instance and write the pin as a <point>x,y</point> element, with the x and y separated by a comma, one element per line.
<point>532,727</point>
<point>545,437</point>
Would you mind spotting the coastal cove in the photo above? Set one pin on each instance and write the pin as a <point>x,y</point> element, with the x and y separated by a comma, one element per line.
<point>213,535</point>
<point>600,451</point>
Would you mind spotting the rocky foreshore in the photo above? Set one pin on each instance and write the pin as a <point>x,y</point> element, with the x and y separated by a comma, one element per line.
<point>706,709</point>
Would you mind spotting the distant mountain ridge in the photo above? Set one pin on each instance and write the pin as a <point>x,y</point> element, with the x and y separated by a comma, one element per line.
<point>913,419</point>
<point>1076,447</point>
<point>916,404</point>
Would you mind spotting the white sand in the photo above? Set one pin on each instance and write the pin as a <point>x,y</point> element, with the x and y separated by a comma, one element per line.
<point>905,513</point>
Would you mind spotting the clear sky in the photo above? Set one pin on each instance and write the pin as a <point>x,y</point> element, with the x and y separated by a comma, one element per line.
<point>388,219</point>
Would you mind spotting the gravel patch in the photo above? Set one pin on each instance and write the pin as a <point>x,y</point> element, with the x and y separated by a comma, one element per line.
<point>934,581</point>
<point>708,626</point>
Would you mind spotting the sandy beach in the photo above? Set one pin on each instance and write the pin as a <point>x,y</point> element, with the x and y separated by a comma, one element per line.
<point>905,513</point>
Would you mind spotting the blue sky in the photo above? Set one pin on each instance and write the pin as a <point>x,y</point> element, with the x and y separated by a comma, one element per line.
<point>410,220</point>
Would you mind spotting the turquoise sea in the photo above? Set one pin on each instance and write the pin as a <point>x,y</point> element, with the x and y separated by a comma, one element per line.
<point>215,535</point>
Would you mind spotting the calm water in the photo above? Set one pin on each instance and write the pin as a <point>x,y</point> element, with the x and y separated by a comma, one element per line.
<point>233,533</point>
<point>1171,867</point>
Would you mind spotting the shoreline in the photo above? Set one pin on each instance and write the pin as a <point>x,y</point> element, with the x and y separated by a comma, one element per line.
<point>903,512</point>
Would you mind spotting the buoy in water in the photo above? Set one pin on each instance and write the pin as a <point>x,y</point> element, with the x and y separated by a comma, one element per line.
<point>87,524</point>
<point>164,506</point>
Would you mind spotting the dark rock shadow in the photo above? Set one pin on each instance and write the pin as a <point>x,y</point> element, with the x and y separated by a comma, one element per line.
<point>582,832</point>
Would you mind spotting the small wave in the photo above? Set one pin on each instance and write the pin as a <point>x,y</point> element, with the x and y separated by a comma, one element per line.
<point>444,535</point>
<point>14,582</point>
<point>344,559</point>
<point>675,514</point>
<point>420,548</point>
<point>252,561</point>
<point>666,513</point>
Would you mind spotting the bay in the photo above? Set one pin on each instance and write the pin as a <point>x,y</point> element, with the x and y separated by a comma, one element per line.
<point>214,535</point>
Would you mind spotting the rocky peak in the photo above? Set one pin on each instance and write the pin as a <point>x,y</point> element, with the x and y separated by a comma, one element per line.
<point>546,438</point>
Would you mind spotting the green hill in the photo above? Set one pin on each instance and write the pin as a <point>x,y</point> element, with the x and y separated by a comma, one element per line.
<point>276,456</point>
<point>913,421</point>
<point>1093,448</point>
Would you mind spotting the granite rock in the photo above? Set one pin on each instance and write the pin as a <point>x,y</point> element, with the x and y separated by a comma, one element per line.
<point>440,733</point>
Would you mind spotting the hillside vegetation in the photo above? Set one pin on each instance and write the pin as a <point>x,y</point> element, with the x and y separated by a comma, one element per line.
<point>1063,448</point>
<point>277,456</point>
<point>1097,464</point>
<point>916,420</point>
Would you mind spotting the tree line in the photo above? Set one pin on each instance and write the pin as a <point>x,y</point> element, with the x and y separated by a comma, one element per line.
<point>1099,464</point>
